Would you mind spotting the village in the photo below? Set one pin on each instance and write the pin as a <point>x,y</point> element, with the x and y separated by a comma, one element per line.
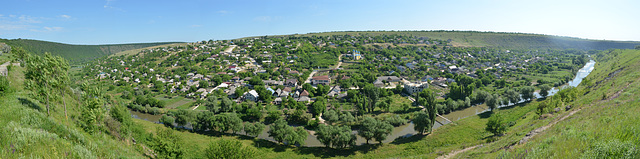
<point>322,80</point>
<point>227,68</point>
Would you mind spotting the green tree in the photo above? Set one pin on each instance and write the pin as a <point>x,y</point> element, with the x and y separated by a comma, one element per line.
<point>235,122</point>
<point>183,117</point>
<point>544,90</point>
<point>229,149</point>
<point>226,105</point>
<point>166,144</point>
<point>283,133</point>
<point>204,120</point>
<point>44,75</point>
<point>527,93</point>
<point>212,104</point>
<point>167,120</point>
<point>318,107</point>
<point>373,93</point>
<point>374,129</point>
<point>429,102</point>
<point>496,124</point>
<point>421,122</point>
<point>253,129</point>
<point>278,131</point>
<point>335,136</point>
<point>330,116</point>
<point>347,118</point>
<point>512,95</point>
<point>492,101</point>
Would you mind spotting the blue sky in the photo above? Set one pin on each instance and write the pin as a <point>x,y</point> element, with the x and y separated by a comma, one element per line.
<point>128,21</point>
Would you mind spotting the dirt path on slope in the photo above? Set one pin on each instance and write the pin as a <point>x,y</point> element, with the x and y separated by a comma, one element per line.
<point>454,153</point>
<point>529,135</point>
<point>539,130</point>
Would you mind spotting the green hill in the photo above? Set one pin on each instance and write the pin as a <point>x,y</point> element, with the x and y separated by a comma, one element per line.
<point>497,39</point>
<point>603,122</point>
<point>75,53</point>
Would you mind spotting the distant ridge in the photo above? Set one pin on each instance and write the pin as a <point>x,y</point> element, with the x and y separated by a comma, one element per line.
<point>494,39</point>
<point>75,53</point>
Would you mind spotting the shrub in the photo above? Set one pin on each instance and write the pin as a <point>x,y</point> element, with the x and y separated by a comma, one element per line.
<point>167,120</point>
<point>4,85</point>
<point>496,124</point>
<point>226,148</point>
<point>396,120</point>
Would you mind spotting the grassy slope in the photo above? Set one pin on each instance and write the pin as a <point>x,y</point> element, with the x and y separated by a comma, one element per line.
<point>26,131</point>
<point>608,127</point>
<point>498,39</point>
<point>135,51</point>
<point>75,53</point>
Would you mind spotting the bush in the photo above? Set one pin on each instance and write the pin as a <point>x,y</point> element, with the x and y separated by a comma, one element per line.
<point>4,85</point>
<point>496,124</point>
<point>396,120</point>
<point>227,148</point>
<point>613,149</point>
<point>167,120</point>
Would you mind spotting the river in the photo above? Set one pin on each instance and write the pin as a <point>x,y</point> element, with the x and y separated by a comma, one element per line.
<point>407,129</point>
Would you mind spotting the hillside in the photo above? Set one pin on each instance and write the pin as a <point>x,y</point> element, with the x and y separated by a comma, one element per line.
<point>602,123</point>
<point>497,39</point>
<point>75,53</point>
<point>26,131</point>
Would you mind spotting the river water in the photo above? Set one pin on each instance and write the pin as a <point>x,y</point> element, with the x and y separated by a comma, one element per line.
<point>407,129</point>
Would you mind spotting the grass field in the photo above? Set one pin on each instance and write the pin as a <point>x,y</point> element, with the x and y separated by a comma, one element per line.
<point>177,102</point>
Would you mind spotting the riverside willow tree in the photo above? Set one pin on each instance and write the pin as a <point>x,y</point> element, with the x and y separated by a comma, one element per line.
<point>421,122</point>
<point>428,100</point>
<point>45,75</point>
<point>336,136</point>
<point>375,129</point>
<point>283,133</point>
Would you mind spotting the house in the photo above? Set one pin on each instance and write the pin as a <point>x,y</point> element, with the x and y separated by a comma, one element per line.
<point>453,68</point>
<point>325,80</point>
<point>251,95</point>
<point>303,99</point>
<point>281,93</point>
<point>198,76</point>
<point>277,101</point>
<point>271,90</point>
<point>291,82</point>
<point>304,93</point>
<point>415,87</point>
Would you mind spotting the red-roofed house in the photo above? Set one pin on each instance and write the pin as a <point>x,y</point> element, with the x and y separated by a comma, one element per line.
<point>325,80</point>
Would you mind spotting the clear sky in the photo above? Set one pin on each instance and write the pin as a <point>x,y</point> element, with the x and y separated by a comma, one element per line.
<point>128,21</point>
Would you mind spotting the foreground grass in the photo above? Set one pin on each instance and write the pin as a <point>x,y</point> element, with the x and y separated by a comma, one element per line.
<point>606,127</point>
<point>27,131</point>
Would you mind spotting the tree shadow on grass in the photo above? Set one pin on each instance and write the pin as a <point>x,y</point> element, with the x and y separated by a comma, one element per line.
<point>322,152</point>
<point>30,104</point>
<point>404,140</point>
<point>486,114</point>
<point>325,152</point>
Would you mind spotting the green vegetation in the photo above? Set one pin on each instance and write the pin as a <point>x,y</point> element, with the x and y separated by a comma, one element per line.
<point>74,53</point>
<point>156,83</point>
<point>496,39</point>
